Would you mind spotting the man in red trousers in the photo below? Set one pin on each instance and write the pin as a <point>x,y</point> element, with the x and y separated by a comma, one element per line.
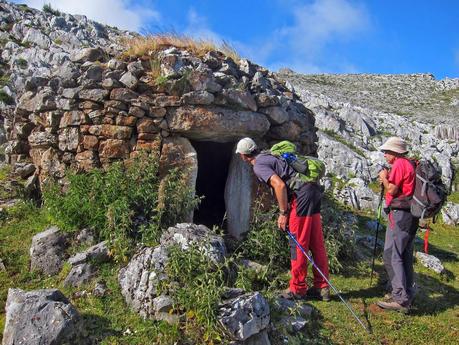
<point>300,211</point>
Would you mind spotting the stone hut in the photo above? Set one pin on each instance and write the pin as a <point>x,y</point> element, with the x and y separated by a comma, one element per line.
<point>189,110</point>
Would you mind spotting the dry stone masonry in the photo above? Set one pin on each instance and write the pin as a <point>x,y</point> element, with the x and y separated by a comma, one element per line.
<point>76,103</point>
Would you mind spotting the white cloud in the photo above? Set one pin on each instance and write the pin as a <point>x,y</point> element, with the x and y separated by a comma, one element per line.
<point>199,28</point>
<point>120,13</point>
<point>324,20</point>
<point>314,28</point>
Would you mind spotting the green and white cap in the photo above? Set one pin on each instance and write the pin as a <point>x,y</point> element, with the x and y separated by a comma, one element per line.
<point>246,146</point>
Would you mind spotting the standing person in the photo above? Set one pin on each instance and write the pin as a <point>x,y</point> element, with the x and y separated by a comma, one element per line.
<point>399,184</point>
<point>300,210</point>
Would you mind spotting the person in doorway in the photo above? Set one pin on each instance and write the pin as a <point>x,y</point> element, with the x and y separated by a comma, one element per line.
<point>300,212</point>
<point>399,184</point>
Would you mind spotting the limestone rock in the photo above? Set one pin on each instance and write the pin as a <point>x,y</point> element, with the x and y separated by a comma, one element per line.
<point>245,315</point>
<point>88,54</point>
<point>47,253</point>
<point>85,236</point>
<point>140,278</point>
<point>96,254</point>
<point>24,170</point>
<point>430,262</point>
<point>80,274</point>
<point>198,97</point>
<point>277,115</point>
<point>241,99</point>
<point>238,197</point>
<point>41,317</point>
<point>216,123</point>
<point>450,213</point>
<point>186,234</point>
<point>100,290</point>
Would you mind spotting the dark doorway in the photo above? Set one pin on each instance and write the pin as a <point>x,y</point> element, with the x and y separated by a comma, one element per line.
<point>213,164</point>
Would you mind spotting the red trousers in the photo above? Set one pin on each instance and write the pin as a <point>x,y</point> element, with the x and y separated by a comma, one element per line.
<point>308,232</point>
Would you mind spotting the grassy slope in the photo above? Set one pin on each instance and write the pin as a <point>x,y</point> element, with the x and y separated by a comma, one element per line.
<point>107,317</point>
<point>433,321</point>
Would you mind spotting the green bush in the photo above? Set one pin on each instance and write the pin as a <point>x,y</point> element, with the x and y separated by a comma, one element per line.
<point>269,246</point>
<point>265,243</point>
<point>338,234</point>
<point>123,203</point>
<point>22,63</point>
<point>48,9</point>
<point>196,285</point>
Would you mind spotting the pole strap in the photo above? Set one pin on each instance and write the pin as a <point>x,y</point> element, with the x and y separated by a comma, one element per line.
<point>426,240</point>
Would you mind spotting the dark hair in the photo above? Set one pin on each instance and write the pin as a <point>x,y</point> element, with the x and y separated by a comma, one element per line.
<point>253,153</point>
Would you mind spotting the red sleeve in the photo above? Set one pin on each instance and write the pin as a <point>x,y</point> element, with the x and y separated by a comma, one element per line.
<point>396,175</point>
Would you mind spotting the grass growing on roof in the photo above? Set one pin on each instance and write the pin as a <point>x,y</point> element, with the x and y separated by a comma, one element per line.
<point>149,45</point>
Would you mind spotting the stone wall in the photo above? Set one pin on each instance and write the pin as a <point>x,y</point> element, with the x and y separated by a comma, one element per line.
<point>108,109</point>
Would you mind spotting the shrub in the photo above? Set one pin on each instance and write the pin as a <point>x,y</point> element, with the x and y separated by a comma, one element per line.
<point>267,245</point>
<point>123,203</point>
<point>22,63</point>
<point>5,98</point>
<point>48,9</point>
<point>196,285</point>
<point>338,234</point>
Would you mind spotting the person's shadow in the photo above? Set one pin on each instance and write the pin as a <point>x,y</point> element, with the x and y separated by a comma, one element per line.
<point>433,295</point>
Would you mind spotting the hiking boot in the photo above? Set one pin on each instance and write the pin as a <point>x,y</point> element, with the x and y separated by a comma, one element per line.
<point>287,294</point>
<point>388,296</point>
<point>393,305</point>
<point>321,294</point>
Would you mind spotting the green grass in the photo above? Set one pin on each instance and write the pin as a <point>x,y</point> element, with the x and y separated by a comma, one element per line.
<point>343,141</point>
<point>111,322</point>
<point>433,320</point>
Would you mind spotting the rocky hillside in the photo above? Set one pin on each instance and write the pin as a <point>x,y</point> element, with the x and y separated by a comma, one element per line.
<point>356,113</point>
<point>69,98</point>
<point>418,96</point>
<point>37,45</point>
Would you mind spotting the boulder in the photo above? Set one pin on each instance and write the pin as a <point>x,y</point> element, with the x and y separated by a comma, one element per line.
<point>430,262</point>
<point>187,234</point>
<point>41,317</point>
<point>450,213</point>
<point>80,274</point>
<point>140,278</point>
<point>244,316</point>
<point>98,253</point>
<point>47,253</point>
<point>216,123</point>
<point>87,54</point>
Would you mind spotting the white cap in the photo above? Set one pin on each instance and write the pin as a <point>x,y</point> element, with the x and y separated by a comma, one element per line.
<point>246,146</point>
<point>394,144</point>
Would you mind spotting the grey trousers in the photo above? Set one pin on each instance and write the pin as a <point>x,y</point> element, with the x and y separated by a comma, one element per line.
<point>398,255</point>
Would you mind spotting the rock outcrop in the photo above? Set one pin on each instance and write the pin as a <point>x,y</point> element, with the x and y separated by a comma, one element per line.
<point>48,251</point>
<point>140,279</point>
<point>356,113</point>
<point>41,317</point>
<point>245,316</point>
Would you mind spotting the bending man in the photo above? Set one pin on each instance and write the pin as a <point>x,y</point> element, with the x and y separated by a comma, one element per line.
<point>300,210</point>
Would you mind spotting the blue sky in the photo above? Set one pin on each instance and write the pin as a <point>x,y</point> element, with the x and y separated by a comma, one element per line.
<point>317,36</point>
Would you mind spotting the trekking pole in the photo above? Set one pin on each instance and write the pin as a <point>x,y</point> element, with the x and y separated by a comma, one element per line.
<point>381,196</point>
<point>326,279</point>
